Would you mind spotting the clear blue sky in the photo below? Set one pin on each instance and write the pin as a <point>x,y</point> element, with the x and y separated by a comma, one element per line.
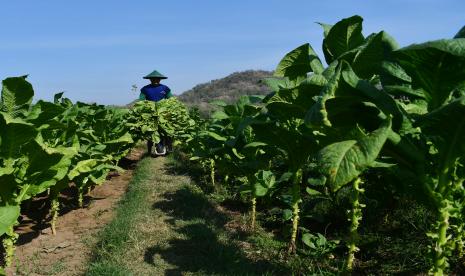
<point>95,50</point>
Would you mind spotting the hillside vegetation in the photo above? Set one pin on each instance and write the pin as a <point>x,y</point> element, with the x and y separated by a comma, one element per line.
<point>227,89</point>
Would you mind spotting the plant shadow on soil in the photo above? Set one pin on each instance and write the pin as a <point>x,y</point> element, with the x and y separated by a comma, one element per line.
<point>202,250</point>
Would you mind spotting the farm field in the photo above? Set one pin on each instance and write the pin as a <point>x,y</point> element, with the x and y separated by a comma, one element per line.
<point>353,164</point>
<point>67,253</point>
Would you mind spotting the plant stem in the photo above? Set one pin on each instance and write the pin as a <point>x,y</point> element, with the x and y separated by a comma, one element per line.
<point>254,208</point>
<point>441,240</point>
<point>295,209</point>
<point>212,172</point>
<point>80,197</point>
<point>355,215</point>
<point>439,235</point>
<point>9,245</point>
<point>55,209</point>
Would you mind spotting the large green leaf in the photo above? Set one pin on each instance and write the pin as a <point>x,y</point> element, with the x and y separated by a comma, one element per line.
<point>437,67</point>
<point>84,166</point>
<point>344,36</point>
<point>17,96</point>
<point>14,134</point>
<point>290,141</point>
<point>297,63</point>
<point>43,111</point>
<point>277,84</point>
<point>394,70</point>
<point>354,87</point>
<point>447,127</point>
<point>8,217</point>
<point>344,161</point>
<point>46,166</point>
<point>317,115</point>
<point>115,145</point>
<point>368,60</point>
<point>285,111</point>
<point>301,95</point>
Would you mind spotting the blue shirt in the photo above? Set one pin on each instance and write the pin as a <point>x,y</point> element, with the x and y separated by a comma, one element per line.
<point>156,92</point>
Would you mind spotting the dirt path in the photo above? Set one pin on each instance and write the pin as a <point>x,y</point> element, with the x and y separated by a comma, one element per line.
<point>175,229</point>
<point>68,252</point>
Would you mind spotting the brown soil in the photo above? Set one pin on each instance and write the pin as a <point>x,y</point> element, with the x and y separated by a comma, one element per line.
<point>67,253</point>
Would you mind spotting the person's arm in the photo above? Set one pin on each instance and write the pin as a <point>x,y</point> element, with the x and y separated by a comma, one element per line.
<point>142,94</point>
<point>168,93</point>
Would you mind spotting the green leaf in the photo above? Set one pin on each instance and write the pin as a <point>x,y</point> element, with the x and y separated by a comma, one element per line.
<point>237,154</point>
<point>46,166</point>
<point>326,28</point>
<point>83,166</point>
<point>264,182</point>
<point>255,144</point>
<point>312,192</point>
<point>42,112</point>
<point>285,111</point>
<point>461,33</point>
<point>395,70</point>
<point>17,96</point>
<point>297,63</point>
<point>219,115</point>
<point>344,161</point>
<point>302,95</point>
<point>317,115</point>
<point>447,125</point>
<point>278,84</point>
<point>295,146</point>
<point>287,214</point>
<point>57,97</point>
<point>436,67</point>
<point>14,134</point>
<point>8,217</point>
<point>368,60</point>
<point>216,136</point>
<point>344,36</point>
<point>307,240</point>
<point>368,92</point>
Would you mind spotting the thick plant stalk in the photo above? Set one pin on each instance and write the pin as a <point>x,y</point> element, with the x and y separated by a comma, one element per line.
<point>295,209</point>
<point>460,242</point>
<point>441,248</point>
<point>355,215</point>
<point>254,212</point>
<point>9,245</point>
<point>441,240</point>
<point>55,209</point>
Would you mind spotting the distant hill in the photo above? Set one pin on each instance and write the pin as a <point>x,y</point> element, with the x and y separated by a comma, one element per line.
<point>227,89</point>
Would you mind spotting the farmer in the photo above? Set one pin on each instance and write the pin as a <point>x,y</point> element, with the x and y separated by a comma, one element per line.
<point>155,92</point>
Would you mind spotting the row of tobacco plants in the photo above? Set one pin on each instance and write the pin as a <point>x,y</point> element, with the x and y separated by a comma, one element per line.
<point>376,116</point>
<point>46,146</point>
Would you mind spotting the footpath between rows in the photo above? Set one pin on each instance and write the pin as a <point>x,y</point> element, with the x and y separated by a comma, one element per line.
<point>149,220</point>
<point>165,225</point>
